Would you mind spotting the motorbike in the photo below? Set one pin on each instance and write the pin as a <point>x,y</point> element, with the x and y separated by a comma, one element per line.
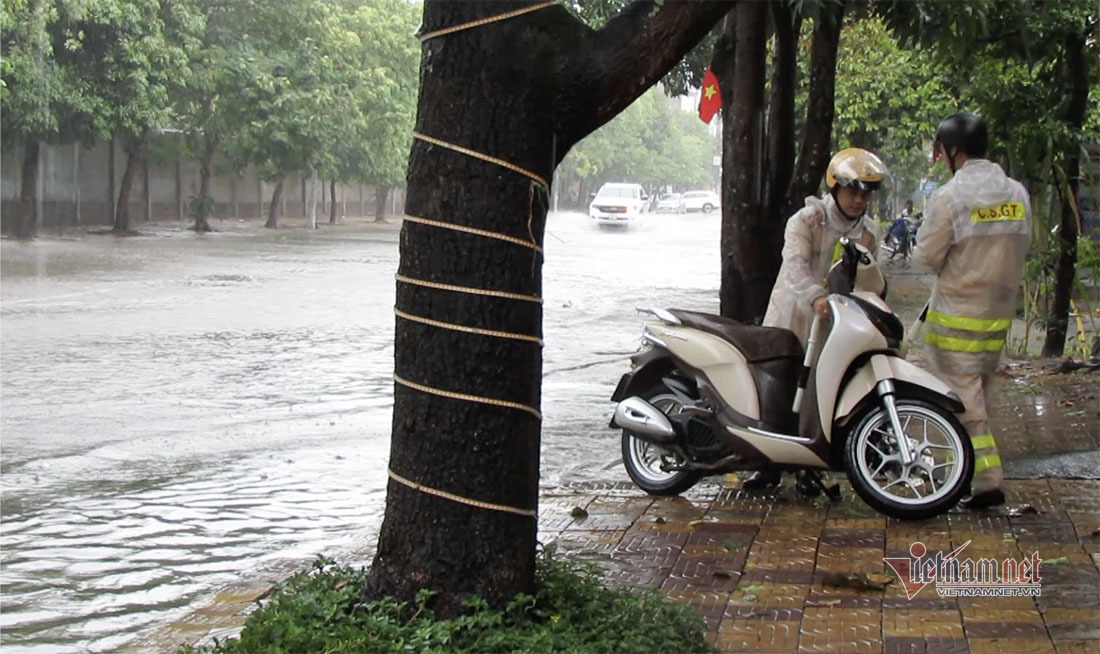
<point>709,395</point>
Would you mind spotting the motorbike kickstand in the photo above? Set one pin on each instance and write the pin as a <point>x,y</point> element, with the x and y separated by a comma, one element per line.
<point>809,484</point>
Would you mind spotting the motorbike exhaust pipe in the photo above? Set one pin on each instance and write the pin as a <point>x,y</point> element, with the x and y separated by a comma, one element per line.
<point>644,421</point>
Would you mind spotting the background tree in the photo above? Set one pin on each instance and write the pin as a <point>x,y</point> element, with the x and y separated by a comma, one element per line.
<point>650,143</point>
<point>526,107</point>
<point>372,143</point>
<point>208,107</point>
<point>889,99</point>
<point>1030,68</point>
<point>293,87</point>
<point>42,102</point>
<point>762,180</point>
<point>127,57</point>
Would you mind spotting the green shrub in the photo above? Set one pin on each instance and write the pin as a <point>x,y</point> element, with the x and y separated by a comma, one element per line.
<point>319,610</point>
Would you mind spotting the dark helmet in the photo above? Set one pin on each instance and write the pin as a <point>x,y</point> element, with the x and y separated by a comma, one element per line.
<point>964,131</point>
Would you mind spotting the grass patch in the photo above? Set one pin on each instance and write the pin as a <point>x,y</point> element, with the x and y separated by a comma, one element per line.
<point>319,610</point>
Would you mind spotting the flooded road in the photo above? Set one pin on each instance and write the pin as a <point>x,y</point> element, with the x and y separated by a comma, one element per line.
<point>182,411</point>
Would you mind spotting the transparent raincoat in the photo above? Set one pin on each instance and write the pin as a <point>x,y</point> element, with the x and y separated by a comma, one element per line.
<point>975,237</point>
<point>810,246</point>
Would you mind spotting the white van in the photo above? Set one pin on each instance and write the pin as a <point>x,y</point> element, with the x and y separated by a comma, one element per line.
<point>619,205</point>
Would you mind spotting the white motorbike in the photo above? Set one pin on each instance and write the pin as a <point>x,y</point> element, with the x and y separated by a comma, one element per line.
<point>709,395</point>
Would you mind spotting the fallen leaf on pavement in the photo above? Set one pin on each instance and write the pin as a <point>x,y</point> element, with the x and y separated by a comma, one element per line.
<point>828,602</point>
<point>1058,560</point>
<point>858,580</point>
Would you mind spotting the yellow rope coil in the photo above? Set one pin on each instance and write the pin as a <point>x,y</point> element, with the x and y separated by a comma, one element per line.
<point>468,398</point>
<point>467,289</point>
<point>484,157</point>
<point>458,498</point>
<point>482,21</point>
<point>474,230</point>
<point>463,328</point>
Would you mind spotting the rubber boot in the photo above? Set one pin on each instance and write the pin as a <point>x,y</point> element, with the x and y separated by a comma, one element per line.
<point>988,476</point>
<point>762,479</point>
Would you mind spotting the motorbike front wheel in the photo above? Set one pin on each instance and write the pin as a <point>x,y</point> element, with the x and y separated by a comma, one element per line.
<point>933,482</point>
<point>647,463</point>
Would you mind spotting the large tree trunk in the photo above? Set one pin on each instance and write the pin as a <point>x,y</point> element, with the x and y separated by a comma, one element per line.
<point>135,155</point>
<point>748,259</point>
<point>760,194</point>
<point>332,202</point>
<point>1055,341</point>
<point>276,202</point>
<point>464,467</point>
<point>781,134</point>
<point>204,204</point>
<point>381,196</point>
<point>26,226</point>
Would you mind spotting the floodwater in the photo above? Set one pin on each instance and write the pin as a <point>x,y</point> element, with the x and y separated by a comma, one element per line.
<point>182,411</point>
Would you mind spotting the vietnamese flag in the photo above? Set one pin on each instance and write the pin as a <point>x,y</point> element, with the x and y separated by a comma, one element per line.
<point>710,99</point>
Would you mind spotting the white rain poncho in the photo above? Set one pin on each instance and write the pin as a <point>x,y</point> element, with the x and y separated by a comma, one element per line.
<point>809,248</point>
<point>975,237</point>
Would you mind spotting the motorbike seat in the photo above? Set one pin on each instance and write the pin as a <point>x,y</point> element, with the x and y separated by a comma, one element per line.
<point>756,343</point>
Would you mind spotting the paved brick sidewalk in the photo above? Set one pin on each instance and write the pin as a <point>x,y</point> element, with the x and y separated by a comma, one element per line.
<point>767,570</point>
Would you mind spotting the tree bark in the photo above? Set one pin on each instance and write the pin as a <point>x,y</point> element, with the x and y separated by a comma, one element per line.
<point>276,202</point>
<point>205,203</point>
<point>311,199</point>
<point>566,81</point>
<point>781,124</point>
<point>381,195</point>
<point>76,184</point>
<point>332,202</point>
<point>135,155</point>
<point>1054,342</point>
<point>814,155</point>
<point>749,259</point>
<point>26,227</point>
<point>179,187</point>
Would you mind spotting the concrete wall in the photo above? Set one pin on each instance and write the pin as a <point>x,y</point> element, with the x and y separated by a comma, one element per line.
<point>77,187</point>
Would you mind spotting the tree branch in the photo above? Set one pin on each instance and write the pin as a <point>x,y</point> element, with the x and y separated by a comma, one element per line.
<point>630,54</point>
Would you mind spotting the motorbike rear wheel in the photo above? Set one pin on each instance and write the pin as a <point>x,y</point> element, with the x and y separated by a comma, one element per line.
<point>932,483</point>
<point>646,462</point>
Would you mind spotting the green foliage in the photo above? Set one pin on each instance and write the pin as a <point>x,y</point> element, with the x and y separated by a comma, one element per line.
<point>321,611</point>
<point>651,143</point>
<point>372,141</point>
<point>298,84</point>
<point>889,99</point>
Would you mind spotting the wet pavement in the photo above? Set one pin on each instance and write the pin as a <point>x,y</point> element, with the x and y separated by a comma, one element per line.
<point>186,419</point>
<point>773,572</point>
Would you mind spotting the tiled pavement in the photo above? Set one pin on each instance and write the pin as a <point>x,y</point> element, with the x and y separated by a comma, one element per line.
<point>767,570</point>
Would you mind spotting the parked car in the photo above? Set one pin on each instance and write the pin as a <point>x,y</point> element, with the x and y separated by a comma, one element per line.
<point>705,201</point>
<point>668,203</point>
<point>618,204</point>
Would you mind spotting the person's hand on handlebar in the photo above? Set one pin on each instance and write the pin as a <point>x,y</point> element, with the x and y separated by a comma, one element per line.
<point>821,306</point>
